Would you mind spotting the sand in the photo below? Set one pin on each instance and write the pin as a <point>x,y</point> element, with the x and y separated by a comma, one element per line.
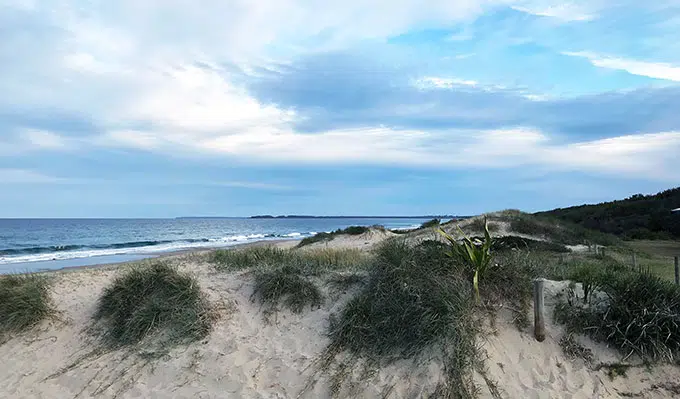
<point>248,356</point>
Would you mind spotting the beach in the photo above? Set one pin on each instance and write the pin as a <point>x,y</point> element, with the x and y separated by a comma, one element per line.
<point>250,355</point>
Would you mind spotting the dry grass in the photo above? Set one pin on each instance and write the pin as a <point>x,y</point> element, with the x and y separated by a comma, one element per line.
<point>24,302</point>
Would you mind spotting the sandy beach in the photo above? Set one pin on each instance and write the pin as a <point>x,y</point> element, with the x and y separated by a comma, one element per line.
<point>250,356</point>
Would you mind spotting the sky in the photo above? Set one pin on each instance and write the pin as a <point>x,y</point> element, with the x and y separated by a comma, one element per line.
<point>164,108</point>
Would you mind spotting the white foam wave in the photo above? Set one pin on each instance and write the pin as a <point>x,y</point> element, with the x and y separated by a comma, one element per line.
<point>152,249</point>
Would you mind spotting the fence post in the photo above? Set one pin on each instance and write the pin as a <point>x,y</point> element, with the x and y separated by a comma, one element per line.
<point>634,261</point>
<point>539,320</point>
<point>603,251</point>
<point>677,271</point>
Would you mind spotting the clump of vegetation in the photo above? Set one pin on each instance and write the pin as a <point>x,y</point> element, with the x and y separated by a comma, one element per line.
<point>313,261</point>
<point>480,224</point>
<point>415,298</point>
<point>640,315</point>
<point>473,253</point>
<point>574,350</point>
<point>554,229</point>
<point>431,223</point>
<point>154,301</point>
<point>286,285</point>
<point>246,258</point>
<point>320,237</point>
<point>521,243</point>
<point>24,302</point>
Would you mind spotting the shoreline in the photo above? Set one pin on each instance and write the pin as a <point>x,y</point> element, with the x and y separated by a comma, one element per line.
<point>142,257</point>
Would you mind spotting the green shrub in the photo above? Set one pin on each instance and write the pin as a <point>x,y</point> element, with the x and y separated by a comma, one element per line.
<point>415,298</point>
<point>24,302</point>
<point>556,230</point>
<point>641,315</point>
<point>320,237</point>
<point>153,301</point>
<point>431,223</point>
<point>287,285</point>
<point>521,243</point>
<point>313,261</point>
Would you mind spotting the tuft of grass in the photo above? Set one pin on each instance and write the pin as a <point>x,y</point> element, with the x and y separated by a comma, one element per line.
<point>477,225</point>
<point>343,282</point>
<point>311,261</point>
<point>286,285</point>
<point>431,223</point>
<point>641,315</point>
<point>320,237</point>
<point>246,258</point>
<point>574,350</point>
<point>154,301</point>
<point>24,302</point>
<point>415,299</point>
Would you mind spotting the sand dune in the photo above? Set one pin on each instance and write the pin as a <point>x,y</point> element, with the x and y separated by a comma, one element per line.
<point>248,355</point>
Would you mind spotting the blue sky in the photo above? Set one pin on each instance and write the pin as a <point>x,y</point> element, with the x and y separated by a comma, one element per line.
<point>170,108</point>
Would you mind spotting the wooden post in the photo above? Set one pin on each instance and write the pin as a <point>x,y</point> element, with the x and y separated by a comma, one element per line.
<point>539,320</point>
<point>677,271</point>
<point>602,252</point>
<point>634,261</point>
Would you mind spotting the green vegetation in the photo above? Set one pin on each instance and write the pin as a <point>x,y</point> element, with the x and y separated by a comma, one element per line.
<point>554,229</point>
<point>24,302</point>
<point>479,224</point>
<point>310,261</point>
<point>521,243</point>
<point>153,301</point>
<point>415,298</point>
<point>320,237</point>
<point>636,217</point>
<point>431,223</point>
<point>640,314</point>
<point>473,253</point>
<point>286,284</point>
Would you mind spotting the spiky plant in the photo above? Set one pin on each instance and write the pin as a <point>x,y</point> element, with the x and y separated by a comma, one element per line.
<point>472,252</point>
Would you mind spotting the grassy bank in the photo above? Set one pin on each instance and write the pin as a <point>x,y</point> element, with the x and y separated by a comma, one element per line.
<point>24,302</point>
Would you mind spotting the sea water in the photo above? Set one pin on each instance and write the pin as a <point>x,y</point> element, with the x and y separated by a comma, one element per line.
<point>37,244</point>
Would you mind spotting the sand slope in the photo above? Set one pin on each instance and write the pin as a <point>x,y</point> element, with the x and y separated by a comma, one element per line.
<point>247,357</point>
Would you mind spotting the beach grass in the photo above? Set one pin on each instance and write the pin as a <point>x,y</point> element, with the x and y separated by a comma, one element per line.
<point>323,236</point>
<point>639,314</point>
<point>413,300</point>
<point>153,301</point>
<point>287,285</point>
<point>310,261</point>
<point>24,302</point>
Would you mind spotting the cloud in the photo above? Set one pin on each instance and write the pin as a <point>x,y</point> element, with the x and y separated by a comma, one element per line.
<point>656,70</point>
<point>22,176</point>
<point>568,12</point>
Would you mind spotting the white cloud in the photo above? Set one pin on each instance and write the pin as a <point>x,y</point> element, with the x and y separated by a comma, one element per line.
<point>22,176</point>
<point>567,12</point>
<point>42,139</point>
<point>656,70</point>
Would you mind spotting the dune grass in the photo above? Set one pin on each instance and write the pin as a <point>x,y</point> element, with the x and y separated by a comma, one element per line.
<point>320,237</point>
<point>553,229</point>
<point>413,300</point>
<point>24,302</point>
<point>639,314</point>
<point>286,285</point>
<point>153,301</point>
<point>310,261</point>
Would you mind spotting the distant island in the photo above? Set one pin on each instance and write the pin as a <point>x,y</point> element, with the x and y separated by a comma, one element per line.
<point>328,217</point>
<point>355,217</point>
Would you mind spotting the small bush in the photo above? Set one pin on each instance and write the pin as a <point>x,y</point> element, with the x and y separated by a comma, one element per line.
<point>414,298</point>
<point>431,223</point>
<point>641,315</point>
<point>153,300</point>
<point>320,237</point>
<point>287,285</point>
<point>24,302</point>
<point>514,242</point>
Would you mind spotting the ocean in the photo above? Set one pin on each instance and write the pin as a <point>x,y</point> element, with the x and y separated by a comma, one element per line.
<point>29,245</point>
